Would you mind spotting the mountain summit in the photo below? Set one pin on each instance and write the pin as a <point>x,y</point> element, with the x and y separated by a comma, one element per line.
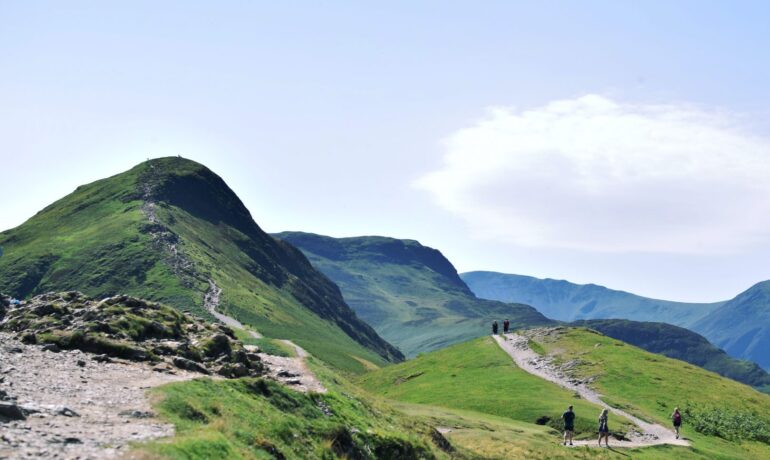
<point>173,231</point>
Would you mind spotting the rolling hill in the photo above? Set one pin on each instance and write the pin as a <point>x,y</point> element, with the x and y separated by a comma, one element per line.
<point>479,377</point>
<point>565,301</point>
<point>683,344</point>
<point>171,230</point>
<point>411,294</point>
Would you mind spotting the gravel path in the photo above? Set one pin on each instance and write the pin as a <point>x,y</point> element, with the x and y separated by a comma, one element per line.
<point>77,407</point>
<point>651,434</point>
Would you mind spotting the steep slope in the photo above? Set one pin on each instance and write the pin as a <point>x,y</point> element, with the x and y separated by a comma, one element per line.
<point>742,325</point>
<point>410,294</point>
<point>680,343</point>
<point>567,301</point>
<point>171,230</point>
<point>479,376</point>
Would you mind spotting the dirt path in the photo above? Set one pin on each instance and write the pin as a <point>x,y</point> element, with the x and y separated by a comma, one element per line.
<point>291,371</point>
<point>211,302</point>
<point>76,407</point>
<point>517,346</point>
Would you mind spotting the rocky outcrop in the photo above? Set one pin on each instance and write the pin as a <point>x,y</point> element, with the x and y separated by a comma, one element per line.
<point>128,328</point>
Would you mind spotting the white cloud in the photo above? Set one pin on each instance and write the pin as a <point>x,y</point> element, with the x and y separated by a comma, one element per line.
<point>592,173</point>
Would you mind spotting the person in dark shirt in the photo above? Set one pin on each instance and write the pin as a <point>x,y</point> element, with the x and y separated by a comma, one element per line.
<point>506,326</point>
<point>569,425</point>
<point>494,327</point>
<point>604,429</point>
<point>676,417</point>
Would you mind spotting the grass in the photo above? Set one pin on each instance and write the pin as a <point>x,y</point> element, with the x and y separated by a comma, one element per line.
<point>650,386</point>
<point>256,419</point>
<point>480,377</point>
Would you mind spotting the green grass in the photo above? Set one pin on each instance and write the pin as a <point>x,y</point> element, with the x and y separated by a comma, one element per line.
<point>256,419</point>
<point>481,377</point>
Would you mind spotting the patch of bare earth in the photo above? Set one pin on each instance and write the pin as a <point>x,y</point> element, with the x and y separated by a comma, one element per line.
<point>74,406</point>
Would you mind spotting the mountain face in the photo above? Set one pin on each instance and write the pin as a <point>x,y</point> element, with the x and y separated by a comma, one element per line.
<point>683,344</point>
<point>409,293</point>
<point>742,325</point>
<point>567,301</point>
<point>171,230</point>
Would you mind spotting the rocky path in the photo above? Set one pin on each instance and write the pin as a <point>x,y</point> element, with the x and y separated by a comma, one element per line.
<point>517,346</point>
<point>211,303</point>
<point>75,406</point>
<point>291,371</point>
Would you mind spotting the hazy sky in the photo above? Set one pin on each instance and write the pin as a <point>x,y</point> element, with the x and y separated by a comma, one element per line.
<point>620,143</point>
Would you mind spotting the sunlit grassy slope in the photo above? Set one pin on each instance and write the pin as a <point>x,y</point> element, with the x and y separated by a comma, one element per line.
<point>100,241</point>
<point>411,294</point>
<point>478,376</point>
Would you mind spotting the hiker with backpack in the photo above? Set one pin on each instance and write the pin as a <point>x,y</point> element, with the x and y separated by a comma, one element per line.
<point>604,430</point>
<point>569,425</point>
<point>676,417</point>
<point>506,326</point>
<point>494,327</point>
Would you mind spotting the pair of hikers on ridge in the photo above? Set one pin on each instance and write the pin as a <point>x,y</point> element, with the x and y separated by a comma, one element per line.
<point>604,430</point>
<point>506,327</point>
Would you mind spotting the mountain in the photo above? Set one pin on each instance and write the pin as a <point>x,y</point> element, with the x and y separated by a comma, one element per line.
<point>411,294</point>
<point>171,230</point>
<point>742,325</point>
<point>567,301</point>
<point>680,343</point>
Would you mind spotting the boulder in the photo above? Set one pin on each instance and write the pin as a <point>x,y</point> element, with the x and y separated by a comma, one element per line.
<point>189,365</point>
<point>10,411</point>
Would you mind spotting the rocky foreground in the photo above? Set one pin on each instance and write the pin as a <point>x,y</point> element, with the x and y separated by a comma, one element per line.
<point>74,371</point>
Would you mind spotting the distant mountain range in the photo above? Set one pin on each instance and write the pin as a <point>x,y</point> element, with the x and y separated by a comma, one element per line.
<point>740,326</point>
<point>411,294</point>
<point>171,230</point>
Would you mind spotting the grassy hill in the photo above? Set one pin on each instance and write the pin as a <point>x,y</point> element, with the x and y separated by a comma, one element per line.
<point>409,293</point>
<point>680,343</point>
<point>165,230</point>
<point>478,376</point>
<point>742,325</point>
<point>565,301</point>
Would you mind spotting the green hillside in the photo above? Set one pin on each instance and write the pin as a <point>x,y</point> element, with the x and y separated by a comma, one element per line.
<point>680,343</point>
<point>565,301</point>
<point>166,230</point>
<point>409,293</point>
<point>742,325</point>
<point>478,376</point>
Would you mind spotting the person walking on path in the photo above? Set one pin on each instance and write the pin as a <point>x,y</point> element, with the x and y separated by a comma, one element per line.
<point>604,430</point>
<point>676,417</point>
<point>569,425</point>
<point>494,327</point>
<point>506,326</point>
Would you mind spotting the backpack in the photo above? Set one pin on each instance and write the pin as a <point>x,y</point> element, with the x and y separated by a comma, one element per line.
<point>677,417</point>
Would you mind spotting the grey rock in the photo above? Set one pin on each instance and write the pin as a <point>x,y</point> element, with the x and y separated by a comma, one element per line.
<point>189,365</point>
<point>52,347</point>
<point>10,411</point>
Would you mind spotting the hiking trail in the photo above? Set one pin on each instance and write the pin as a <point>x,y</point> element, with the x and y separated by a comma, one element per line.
<point>292,371</point>
<point>651,434</point>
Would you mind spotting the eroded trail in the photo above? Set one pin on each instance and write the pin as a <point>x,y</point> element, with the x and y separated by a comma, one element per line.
<point>292,371</point>
<point>650,434</point>
<point>75,406</point>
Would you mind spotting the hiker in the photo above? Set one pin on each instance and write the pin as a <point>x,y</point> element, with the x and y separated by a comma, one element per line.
<point>604,430</point>
<point>569,425</point>
<point>506,326</point>
<point>494,327</point>
<point>676,417</point>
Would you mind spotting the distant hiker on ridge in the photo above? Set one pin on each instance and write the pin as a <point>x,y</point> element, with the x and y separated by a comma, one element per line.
<point>494,327</point>
<point>506,326</point>
<point>604,430</point>
<point>569,425</point>
<point>676,417</point>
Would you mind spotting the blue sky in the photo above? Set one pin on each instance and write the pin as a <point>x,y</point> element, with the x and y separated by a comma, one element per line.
<point>543,138</point>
